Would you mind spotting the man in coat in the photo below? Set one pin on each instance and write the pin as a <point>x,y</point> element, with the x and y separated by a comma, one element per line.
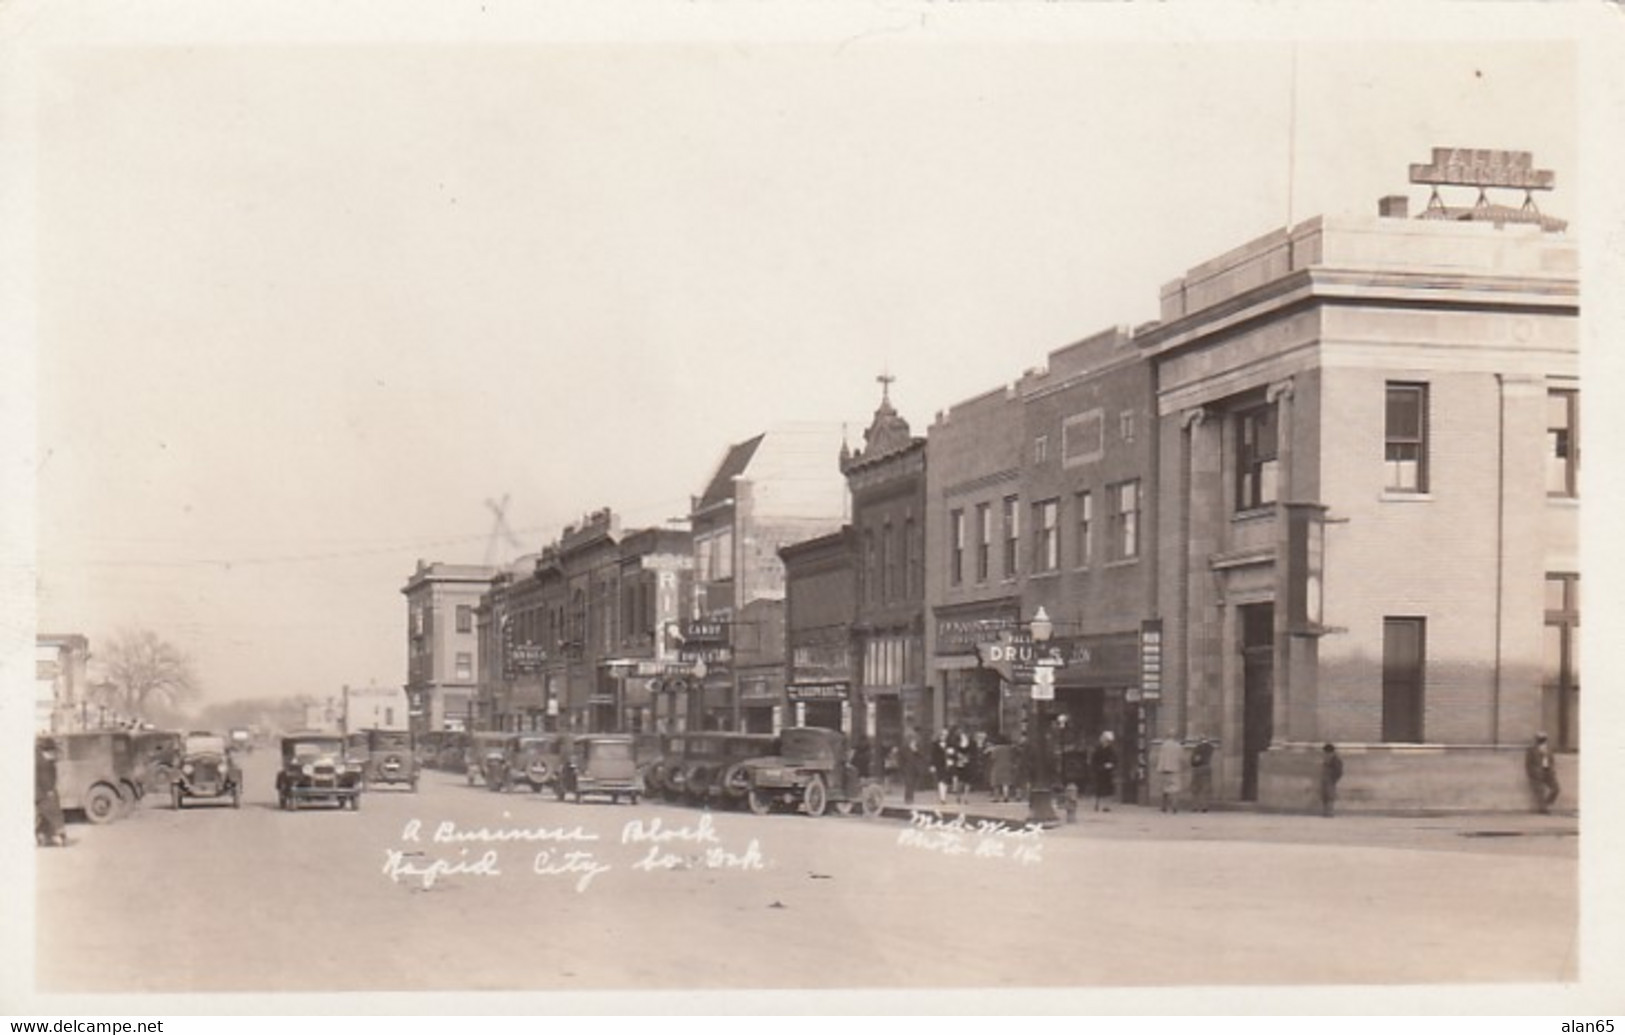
<point>1537,764</point>
<point>1105,766</point>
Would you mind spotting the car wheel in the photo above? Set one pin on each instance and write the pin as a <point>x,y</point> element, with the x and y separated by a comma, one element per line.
<point>761,802</point>
<point>558,791</point>
<point>355,803</point>
<point>634,799</point>
<point>874,800</point>
<point>815,797</point>
<point>102,804</point>
<point>578,797</point>
<point>414,785</point>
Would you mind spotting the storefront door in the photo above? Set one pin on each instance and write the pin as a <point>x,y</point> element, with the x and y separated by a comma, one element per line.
<point>1257,691</point>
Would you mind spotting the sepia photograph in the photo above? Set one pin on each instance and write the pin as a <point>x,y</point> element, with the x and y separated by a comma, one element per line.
<point>922,507</point>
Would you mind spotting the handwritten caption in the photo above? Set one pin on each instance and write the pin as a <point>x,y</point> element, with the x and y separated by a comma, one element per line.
<point>574,854</point>
<point>979,839</point>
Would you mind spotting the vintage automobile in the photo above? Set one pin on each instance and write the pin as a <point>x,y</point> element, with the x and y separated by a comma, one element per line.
<point>602,763</point>
<point>242,739</point>
<point>452,749</point>
<point>812,769</point>
<point>314,768</point>
<point>157,759</point>
<point>485,756</point>
<point>655,764</point>
<point>391,758</point>
<point>96,773</point>
<point>713,777</point>
<point>535,761</point>
<point>208,770</point>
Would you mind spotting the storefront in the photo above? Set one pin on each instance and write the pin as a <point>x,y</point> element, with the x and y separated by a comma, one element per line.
<point>972,697</point>
<point>825,704</point>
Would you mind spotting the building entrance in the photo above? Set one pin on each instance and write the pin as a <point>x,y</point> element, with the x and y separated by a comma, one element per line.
<point>1257,691</point>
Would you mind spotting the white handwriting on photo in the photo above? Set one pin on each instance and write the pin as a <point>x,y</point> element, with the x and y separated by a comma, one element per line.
<point>979,839</point>
<point>574,853</point>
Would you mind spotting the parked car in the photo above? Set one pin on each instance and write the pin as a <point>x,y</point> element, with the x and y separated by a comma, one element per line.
<point>208,770</point>
<point>390,758</point>
<point>452,749</point>
<point>96,773</point>
<point>535,761</point>
<point>811,769</point>
<point>724,782</point>
<point>314,768</point>
<point>655,764</point>
<point>157,759</point>
<point>603,763</point>
<point>242,739</point>
<point>486,758</point>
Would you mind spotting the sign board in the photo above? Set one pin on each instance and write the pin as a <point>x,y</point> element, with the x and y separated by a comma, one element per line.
<point>827,690</point>
<point>1044,682</point>
<point>1015,657</point>
<point>1151,659</point>
<point>712,656</point>
<point>1469,167</point>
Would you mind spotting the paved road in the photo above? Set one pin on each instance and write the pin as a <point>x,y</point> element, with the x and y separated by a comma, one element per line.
<point>216,900</point>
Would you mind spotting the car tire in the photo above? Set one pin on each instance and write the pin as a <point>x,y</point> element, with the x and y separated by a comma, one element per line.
<point>633,799</point>
<point>558,791</point>
<point>102,804</point>
<point>874,801</point>
<point>815,797</point>
<point>761,802</point>
<point>414,785</point>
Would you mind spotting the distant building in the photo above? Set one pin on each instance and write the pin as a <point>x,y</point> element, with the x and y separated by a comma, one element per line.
<point>442,644</point>
<point>375,708</point>
<point>777,488</point>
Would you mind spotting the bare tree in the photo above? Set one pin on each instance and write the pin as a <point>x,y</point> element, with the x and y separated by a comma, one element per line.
<point>148,670</point>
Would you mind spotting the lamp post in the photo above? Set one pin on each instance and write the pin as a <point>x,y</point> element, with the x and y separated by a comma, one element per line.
<point>1041,800</point>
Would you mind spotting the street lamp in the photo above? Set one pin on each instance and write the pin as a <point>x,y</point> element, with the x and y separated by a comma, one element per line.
<point>1041,800</point>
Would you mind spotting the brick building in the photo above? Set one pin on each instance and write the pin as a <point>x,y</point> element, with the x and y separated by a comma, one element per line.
<point>442,645</point>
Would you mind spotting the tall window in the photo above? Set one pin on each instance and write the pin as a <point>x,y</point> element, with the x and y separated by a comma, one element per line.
<point>984,540</point>
<point>1256,457</point>
<point>1560,705</point>
<point>956,547</point>
<point>1040,449</point>
<point>1124,498</point>
<point>1084,506</point>
<point>1012,535</point>
<point>1404,651</point>
<point>1046,535</point>
<point>465,666</point>
<point>465,618</point>
<point>1405,438</point>
<point>1562,445</point>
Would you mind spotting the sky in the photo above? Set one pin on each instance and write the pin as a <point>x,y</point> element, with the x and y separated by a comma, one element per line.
<point>301,310</point>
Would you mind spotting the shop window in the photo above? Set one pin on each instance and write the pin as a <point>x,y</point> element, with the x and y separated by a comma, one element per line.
<point>1404,654</point>
<point>1405,438</point>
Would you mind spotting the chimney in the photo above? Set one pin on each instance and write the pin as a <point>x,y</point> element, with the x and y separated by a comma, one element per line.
<point>1394,206</point>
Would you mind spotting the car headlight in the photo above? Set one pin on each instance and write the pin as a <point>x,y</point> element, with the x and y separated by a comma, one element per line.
<point>187,769</point>
<point>308,769</point>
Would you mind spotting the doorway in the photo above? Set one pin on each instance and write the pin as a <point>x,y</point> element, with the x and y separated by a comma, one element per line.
<point>1257,691</point>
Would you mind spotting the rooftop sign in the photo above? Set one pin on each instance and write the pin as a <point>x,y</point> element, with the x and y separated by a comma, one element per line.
<point>1467,167</point>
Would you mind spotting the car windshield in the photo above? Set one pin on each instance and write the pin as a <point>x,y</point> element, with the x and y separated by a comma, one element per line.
<point>390,740</point>
<point>812,745</point>
<point>306,750</point>
<point>205,745</point>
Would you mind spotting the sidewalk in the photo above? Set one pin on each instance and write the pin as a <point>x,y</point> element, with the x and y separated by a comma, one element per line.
<point>1239,821</point>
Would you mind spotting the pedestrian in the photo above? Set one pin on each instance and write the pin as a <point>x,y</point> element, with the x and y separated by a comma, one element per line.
<point>1002,769</point>
<point>50,827</point>
<point>908,763</point>
<point>959,761</point>
<point>940,770</point>
<point>1201,774</point>
<point>861,757</point>
<point>978,778</point>
<point>1537,764</point>
<point>1105,770</point>
<point>1331,771</point>
<point>1169,756</point>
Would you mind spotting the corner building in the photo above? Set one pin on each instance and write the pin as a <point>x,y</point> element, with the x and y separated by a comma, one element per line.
<point>1367,506</point>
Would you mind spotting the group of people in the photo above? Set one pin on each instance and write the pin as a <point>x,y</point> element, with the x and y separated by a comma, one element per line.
<point>959,762</point>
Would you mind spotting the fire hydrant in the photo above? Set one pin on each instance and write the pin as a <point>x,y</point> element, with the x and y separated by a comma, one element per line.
<point>1070,801</point>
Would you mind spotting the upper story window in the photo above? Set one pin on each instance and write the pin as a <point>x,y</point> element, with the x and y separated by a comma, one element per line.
<point>1012,535</point>
<point>1405,438</point>
<point>1257,463</point>
<point>984,540</point>
<point>1046,535</point>
<point>1562,442</point>
<point>1040,449</point>
<point>465,618</point>
<point>1084,506</point>
<point>465,666</point>
<point>911,558</point>
<point>956,547</point>
<point>1124,498</point>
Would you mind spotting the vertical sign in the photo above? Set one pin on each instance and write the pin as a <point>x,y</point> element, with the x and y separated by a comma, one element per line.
<point>1151,659</point>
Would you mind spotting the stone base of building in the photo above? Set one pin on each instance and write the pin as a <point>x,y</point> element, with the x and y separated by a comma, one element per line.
<point>1410,778</point>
